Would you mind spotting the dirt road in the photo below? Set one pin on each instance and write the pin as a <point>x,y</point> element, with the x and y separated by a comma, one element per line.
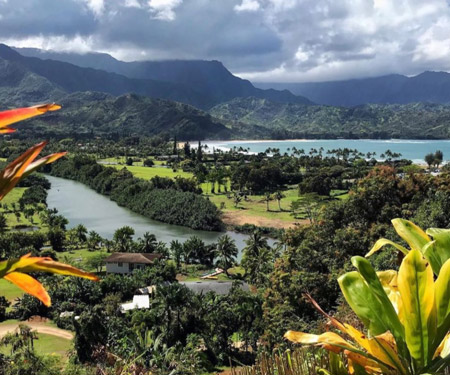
<point>39,326</point>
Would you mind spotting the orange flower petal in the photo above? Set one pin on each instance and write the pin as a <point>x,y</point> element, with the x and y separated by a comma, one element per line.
<point>45,160</point>
<point>19,114</point>
<point>13,172</point>
<point>49,265</point>
<point>30,286</point>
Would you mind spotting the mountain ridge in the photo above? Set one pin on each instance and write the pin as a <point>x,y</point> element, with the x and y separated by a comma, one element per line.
<point>428,86</point>
<point>209,80</point>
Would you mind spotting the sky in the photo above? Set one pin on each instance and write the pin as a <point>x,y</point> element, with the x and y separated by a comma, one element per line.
<point>261,40</point>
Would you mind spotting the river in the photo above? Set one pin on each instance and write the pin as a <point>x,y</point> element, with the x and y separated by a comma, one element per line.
<point>82,205</point>
<point>411,149</point>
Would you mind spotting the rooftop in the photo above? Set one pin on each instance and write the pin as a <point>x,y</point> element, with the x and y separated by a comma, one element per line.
<point>142,258</point>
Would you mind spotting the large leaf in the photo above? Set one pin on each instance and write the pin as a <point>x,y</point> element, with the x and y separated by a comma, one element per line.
<point>329,340</point>
<point>383,242</point>
<point>15,115</point>
<point>416,286</point>
<point>29,285</point>
<point>442,295</point>
<point>362,301</point>
<point>382,347</point>
<point>415,237</point>
<point>390,316</point>
<point>438,251</point>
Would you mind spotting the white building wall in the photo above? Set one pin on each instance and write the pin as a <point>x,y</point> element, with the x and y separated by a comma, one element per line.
<point>117,267</point>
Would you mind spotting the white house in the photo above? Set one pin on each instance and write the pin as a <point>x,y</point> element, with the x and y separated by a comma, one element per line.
<point>128,262</point>
<point>139,302</point>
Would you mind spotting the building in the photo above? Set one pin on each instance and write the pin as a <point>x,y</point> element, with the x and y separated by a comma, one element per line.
<point>139,302</point>
<point>218,287</point>
<point>128,262</point>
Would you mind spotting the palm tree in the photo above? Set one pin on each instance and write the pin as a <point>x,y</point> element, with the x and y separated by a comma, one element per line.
<point>267,198</point>
<point>226,251</point>
<point>279,196</point>
<point>176,250</point>
<point>81,232</point>
<point>148,243</point>
<point>257,258</point>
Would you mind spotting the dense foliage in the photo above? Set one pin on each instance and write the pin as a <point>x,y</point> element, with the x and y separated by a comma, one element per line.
<point>171,201</point>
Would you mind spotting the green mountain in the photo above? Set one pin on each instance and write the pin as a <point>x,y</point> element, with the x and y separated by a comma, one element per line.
<point>90,114</point>
<point>20,87</point>
<point>431,87</point>
<point>196,82</point>
<point>417,120</point>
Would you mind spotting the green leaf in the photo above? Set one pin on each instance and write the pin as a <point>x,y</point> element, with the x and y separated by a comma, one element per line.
<point>363,302</point>
<point>415,237</point>
<point>416,286</point>
<point>438,251</point>
<point>389,315</point>
<point>442,294</point>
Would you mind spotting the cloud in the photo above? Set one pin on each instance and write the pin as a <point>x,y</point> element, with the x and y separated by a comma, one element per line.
<point>247,6</point>
<point>96,6</point>
<point>164,9</point>
<point>263,40</point>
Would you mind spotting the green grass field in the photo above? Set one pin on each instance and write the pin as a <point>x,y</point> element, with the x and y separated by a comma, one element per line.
<point>9,291</point>
<point>255,206</point>
<point>146,173</point>
<point>47,344</point>
<point>79,257</point>
<point>12,198</point>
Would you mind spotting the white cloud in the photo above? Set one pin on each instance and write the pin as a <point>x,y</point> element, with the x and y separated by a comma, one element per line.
<point>57,43</point>
<point>164,9</point>
<point>132,4</point>
<point>96,6</point>
<point>247,6</point>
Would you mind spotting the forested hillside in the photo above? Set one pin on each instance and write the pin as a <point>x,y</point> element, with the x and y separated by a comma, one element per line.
<point>431,87</point>
<point>417,120</point>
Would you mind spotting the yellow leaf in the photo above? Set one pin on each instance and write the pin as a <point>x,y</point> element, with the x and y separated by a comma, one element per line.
<point>328,340</point>
<point>416,286</point>
<point>29,285</point>
<point>383,242</point>
<point>415,237</point>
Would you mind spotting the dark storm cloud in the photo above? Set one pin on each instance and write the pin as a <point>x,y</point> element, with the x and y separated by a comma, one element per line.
<point>271,40</point>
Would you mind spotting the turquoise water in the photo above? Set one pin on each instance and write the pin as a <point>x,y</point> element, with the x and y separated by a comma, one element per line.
<point>410,149</point>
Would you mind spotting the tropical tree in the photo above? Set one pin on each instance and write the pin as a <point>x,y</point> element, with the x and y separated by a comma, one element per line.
<point>176,251</point>
<point>226,251</point>
<point>406,313</point>
<point>148,243</point>
<point>279,196</point>
<point>257,258</point>
<point>81,233</point>
<point>123,238</point>
<point>267,198</point>
<point>429,159</point>
<point>438,158</point>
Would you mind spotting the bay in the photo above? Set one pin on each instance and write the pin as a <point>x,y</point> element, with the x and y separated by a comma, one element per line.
<point>411,149</point>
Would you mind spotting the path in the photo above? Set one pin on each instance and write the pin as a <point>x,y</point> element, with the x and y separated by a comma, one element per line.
<point>39,326</point>
<point>240,218</point>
